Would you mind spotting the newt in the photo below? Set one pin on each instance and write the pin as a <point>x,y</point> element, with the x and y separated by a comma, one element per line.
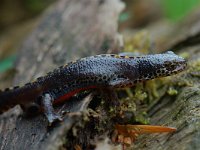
<point>105,71</point>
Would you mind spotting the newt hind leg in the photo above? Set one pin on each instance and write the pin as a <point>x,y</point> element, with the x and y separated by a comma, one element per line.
<point>111,96</point>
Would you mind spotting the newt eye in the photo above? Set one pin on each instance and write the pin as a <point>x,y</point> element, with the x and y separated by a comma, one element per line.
<point>170,65</point>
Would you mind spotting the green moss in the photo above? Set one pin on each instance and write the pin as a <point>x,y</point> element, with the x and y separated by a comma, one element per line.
<point>36,6</point>
<point>171,91</point>
<point>139,93</point>
<point>142,118</point>
<point>194,69</point>
<point>185,55</point>
<point>139,43</point>
<point>128,104</point>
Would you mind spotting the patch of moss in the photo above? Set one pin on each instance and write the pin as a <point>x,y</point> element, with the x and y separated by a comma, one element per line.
<point>194,68</point>
<point>171,91</point>
<point>139,43</point>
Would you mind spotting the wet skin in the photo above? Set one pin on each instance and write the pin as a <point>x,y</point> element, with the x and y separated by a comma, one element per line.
<point>106,71</point>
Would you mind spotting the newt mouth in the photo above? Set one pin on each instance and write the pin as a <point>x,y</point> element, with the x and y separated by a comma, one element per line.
<point>174,67</point>
<point>182,66</point>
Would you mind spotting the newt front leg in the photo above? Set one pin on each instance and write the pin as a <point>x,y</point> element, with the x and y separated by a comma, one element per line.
<point>46,101</point>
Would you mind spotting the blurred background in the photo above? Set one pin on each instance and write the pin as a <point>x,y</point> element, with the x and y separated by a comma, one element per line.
<point>18,18</point>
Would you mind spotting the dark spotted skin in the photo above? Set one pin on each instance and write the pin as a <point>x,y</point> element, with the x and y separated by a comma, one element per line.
<point>95,72</point>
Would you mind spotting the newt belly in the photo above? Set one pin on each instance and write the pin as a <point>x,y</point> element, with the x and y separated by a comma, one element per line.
<point>108,71</point>
<point>66,96</point>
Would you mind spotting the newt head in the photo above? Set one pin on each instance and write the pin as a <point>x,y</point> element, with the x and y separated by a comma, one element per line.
<point>161,65</point>
<point>171,64</point>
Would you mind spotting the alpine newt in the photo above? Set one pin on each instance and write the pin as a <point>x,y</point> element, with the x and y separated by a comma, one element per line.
<point>106,71</point>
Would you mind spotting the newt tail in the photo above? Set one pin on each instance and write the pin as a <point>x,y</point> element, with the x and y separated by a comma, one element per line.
<point>106,71</point>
